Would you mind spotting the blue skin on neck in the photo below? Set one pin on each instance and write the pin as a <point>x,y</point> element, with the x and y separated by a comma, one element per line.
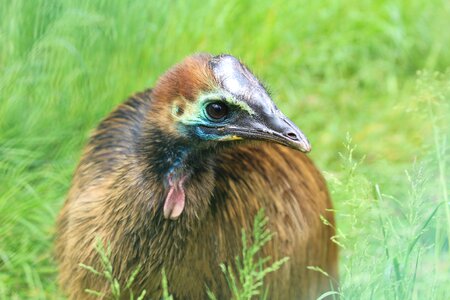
<point>181,159</point>
<point>178,167</point>
<point>206,136</point>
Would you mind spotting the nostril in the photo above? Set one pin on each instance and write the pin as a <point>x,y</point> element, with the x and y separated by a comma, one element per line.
<point>292,136</point>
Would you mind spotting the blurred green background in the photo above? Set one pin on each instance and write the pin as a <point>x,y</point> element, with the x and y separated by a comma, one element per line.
<point>367,81</point>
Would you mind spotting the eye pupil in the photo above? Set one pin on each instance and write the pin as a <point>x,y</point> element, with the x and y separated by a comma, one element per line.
<point>217,110</point>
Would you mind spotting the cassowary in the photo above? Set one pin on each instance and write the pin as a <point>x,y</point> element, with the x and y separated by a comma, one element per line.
<point>171,177</point>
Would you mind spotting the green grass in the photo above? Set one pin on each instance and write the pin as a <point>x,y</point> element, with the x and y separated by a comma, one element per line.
<point>246,278</point>
<point>106,274</point>
<point>367,81</point>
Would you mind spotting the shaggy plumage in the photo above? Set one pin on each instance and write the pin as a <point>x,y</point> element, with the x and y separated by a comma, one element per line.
<point>164,191</point>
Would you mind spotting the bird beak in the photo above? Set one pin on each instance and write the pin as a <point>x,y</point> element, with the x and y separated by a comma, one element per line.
<point>264,120</point>
<point>271,127</point>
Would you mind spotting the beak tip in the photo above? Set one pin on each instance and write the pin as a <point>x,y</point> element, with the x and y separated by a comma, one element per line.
<point>305,148</point>
<point>303,144</point>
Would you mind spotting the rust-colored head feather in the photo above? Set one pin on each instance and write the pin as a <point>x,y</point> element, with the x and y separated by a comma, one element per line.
<point>185,80</point>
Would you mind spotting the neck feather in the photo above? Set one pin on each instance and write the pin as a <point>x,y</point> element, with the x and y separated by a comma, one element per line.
<point>170,159</point>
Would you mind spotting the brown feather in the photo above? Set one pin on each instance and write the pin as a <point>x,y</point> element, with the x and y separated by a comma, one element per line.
<point>116,197</point>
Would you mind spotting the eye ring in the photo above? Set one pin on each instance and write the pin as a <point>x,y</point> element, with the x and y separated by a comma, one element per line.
<point>216,111</point>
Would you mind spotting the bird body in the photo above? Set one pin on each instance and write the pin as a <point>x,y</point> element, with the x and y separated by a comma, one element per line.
<point>166,190</point>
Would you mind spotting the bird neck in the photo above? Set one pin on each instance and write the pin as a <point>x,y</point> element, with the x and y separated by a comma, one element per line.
<point>168,156</point>
<point>183,173</point>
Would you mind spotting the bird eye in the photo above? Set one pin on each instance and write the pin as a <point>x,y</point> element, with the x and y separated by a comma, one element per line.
<point>216,110</point>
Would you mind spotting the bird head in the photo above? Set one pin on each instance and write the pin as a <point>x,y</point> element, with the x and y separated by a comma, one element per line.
<point>216,99</point>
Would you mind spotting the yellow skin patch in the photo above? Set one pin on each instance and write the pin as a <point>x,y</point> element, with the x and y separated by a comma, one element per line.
<point>231,138</point>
